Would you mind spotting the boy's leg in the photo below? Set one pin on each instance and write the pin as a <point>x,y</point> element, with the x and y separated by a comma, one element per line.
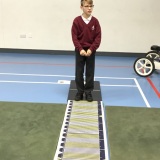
<point>90,67</point>
<point>79,72</point>
<point>89,86</point>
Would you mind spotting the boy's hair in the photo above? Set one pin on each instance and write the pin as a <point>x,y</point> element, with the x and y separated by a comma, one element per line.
<point>88,1</point>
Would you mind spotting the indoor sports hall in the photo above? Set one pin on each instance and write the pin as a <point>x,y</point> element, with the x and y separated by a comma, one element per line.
<point>39,118</point>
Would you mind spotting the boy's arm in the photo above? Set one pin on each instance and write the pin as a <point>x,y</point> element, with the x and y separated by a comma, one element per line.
<point>97,40</point>
<point>74,37</point>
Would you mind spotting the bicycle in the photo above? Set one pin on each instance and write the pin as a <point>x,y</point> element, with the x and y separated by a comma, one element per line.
<point>145,66</point>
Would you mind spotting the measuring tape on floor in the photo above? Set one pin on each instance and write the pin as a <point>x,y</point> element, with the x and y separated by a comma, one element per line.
<point>83,134</point>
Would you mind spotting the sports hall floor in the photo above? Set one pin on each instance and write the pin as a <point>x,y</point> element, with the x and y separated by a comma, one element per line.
<point>46,78</point>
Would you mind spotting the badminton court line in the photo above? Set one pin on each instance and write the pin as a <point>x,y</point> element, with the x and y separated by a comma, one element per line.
<point>67,82</point>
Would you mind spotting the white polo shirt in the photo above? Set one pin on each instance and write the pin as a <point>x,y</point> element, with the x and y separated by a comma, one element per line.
<point>86,20</point>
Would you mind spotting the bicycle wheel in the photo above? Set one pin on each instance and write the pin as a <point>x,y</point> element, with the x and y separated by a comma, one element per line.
<point>144,66</point>
<point>152,55</point>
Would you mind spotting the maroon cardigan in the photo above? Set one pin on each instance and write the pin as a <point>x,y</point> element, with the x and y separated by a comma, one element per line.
<point>86,35</point>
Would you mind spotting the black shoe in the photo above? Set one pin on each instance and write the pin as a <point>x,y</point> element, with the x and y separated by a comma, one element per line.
<point>89,97</point>
<point>79,96</point>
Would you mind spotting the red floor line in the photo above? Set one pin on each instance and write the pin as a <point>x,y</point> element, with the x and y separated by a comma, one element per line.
<point>103,66</point>
<point>50,64</point>
<point>37,63</point>
<point>153,86</point>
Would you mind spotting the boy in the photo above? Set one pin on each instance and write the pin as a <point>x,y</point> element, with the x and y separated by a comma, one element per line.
<point>86,37</point>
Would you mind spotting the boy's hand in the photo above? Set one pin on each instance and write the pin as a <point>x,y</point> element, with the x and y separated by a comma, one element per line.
<point>89,52</point>
<point>82,52</point>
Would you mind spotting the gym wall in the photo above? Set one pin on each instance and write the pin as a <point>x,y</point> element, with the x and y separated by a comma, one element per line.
<point>127,26</point>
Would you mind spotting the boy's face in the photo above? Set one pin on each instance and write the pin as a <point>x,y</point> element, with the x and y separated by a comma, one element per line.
<point>87,9</point>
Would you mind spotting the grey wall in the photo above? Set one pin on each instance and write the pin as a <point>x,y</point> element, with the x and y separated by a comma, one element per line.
<point>127,25</point>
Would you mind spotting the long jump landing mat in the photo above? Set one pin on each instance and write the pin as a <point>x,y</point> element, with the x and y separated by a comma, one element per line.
<point>83,134</point>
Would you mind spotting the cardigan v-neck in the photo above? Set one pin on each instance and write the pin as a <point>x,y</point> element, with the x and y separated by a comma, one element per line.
<point>86,20</point>
<point>86,35</point>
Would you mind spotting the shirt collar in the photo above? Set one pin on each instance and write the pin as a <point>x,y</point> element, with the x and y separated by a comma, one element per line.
<point>86,19</point>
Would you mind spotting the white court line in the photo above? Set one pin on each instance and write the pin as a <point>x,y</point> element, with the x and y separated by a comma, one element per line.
<point>44,75</point>
<point>51,75</point>
<point>30,82</point>
<point>114,78</point>
<point>62,82</point>
<point>108,85</point>
<point>36,75</point>
<point>142,94</point>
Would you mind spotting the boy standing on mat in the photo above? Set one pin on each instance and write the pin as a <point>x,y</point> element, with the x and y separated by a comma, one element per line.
<point>86,37</point>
